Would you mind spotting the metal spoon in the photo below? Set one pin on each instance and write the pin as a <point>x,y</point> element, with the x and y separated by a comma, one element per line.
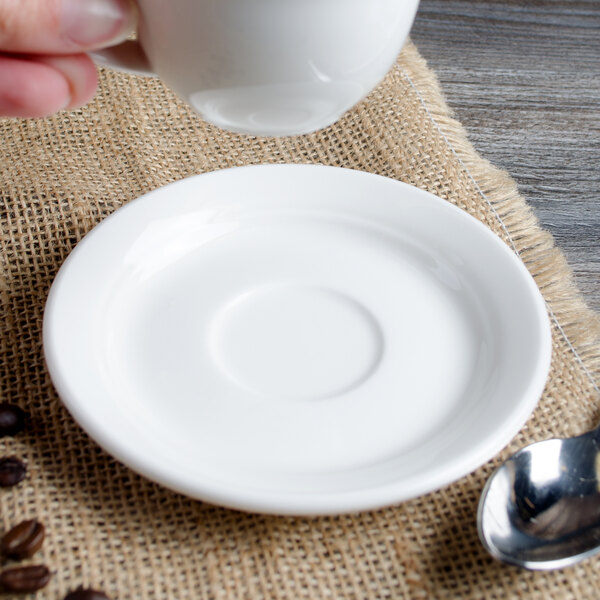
<point>541,508</point>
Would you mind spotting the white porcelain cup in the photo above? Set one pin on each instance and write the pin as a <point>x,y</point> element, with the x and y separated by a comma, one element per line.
<point>269,67</point>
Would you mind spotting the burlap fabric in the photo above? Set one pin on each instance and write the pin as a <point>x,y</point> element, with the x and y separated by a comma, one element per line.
<point>108,527</point>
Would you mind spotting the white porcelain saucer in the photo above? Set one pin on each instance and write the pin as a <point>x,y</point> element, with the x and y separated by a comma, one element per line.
<point>296,339</point>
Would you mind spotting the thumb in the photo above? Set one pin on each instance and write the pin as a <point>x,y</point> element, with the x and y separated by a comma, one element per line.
<point>64,26</point>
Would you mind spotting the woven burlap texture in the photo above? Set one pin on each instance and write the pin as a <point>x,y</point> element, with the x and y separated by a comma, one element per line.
<point>110,528</point>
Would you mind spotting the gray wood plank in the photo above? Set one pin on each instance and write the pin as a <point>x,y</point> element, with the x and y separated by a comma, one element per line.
<point>524,79</point>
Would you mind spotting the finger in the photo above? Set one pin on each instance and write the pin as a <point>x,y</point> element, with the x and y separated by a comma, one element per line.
<point>38,88</point>
<point>64,26</point>
<point>31,89</point>
<point>80,74</point>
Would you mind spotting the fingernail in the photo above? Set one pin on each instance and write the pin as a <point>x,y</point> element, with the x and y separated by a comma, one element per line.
<point>93,23</point>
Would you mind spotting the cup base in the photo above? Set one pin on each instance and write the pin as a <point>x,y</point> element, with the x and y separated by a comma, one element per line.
<point>277,110</point>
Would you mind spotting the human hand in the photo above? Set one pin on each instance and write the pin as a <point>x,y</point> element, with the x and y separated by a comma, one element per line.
<point>43,65</point>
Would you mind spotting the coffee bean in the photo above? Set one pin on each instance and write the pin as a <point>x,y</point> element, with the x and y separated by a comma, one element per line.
<point>25,579</point>
<point>23,540</point>
<point>12,470</point>
<point>12,419</point>
<point>86,594</point>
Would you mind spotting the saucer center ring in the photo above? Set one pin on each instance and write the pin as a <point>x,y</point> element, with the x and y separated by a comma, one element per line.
<point>296,342</point>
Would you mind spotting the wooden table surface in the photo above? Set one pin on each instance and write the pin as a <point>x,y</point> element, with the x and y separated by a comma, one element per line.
<point>524,80</point>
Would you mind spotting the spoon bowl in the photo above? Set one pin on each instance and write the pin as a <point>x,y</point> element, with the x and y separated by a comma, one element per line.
<point>541,508</point>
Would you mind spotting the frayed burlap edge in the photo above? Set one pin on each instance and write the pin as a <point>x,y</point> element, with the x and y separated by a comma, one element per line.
<point>568,311</point>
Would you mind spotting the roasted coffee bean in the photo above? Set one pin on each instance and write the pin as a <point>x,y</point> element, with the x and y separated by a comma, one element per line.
<point>23,540</point>
<point>86,594</point>
<point>25,579</point>
<point>12,470</point>
<point>12,419</point>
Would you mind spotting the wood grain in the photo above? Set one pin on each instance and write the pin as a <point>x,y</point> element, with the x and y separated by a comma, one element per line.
<point>524,79</point>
